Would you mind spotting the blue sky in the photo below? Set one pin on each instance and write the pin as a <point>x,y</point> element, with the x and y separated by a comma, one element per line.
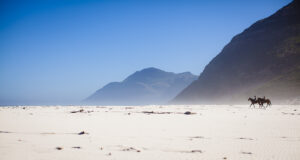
<point>61,51</point>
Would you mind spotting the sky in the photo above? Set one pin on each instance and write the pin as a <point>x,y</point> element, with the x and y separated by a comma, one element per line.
<point>59,52</point>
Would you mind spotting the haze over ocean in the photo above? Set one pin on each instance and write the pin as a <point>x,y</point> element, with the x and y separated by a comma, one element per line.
<point>61,51</point>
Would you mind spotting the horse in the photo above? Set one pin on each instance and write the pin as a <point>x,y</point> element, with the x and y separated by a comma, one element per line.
<point>261,102</point>
<point>268,102</point>
<point>253,101</point>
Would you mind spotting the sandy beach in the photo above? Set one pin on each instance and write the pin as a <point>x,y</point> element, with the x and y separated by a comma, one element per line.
<point>150,132</point>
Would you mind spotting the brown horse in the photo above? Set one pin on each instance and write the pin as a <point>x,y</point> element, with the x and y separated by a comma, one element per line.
<point>253,101</point>
<point>268,102</point>
<point>262,101</point>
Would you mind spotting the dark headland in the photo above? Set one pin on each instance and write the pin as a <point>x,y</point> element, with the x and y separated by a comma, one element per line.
<point>262,60</point>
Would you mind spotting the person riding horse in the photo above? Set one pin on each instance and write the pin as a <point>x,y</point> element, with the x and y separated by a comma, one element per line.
<point>264,100</point>
<point>260,101</point>
<point>253,101</point>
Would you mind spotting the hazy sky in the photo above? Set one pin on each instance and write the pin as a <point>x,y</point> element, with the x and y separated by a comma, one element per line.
<point>61,51</point>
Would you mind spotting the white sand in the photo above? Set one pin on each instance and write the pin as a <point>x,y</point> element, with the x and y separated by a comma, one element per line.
<point>214,132</point>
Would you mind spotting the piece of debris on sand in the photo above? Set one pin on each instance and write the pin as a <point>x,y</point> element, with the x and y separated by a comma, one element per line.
<point>197,137</point>
<point>81,110</point>
<point>188,113</point>
<point>245,138</point>
<point>196,151</point>
<point>76,147</point>
<point>131,149</point>
<point>193,151</point>
<point>58,148</point>
<point>246,152</point>
<point>152,112</point>
<point>82,132</point>
<point>5,132</point>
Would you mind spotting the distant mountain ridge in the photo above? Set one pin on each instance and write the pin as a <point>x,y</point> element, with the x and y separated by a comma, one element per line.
<point>148,86</point>
<point>263,60</point>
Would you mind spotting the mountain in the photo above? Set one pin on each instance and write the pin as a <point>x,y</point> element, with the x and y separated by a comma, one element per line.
<point>263,60</point>
<point>148,86</point>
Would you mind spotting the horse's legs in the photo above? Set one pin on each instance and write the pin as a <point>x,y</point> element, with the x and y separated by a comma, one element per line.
<point>261,105</point>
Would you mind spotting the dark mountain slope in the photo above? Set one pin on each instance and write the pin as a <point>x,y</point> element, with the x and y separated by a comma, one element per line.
<point>148,86</point>
<point>253,63</point>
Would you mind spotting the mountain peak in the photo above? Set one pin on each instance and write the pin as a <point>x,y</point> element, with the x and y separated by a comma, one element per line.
<point>147,74</point>
<point>151,69</point>
<point>147,86</point>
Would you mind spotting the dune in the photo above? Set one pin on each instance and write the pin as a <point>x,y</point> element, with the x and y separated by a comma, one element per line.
<point>150,132</point>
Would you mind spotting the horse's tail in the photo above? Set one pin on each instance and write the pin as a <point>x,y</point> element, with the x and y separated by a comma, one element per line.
<point>268,102</point>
